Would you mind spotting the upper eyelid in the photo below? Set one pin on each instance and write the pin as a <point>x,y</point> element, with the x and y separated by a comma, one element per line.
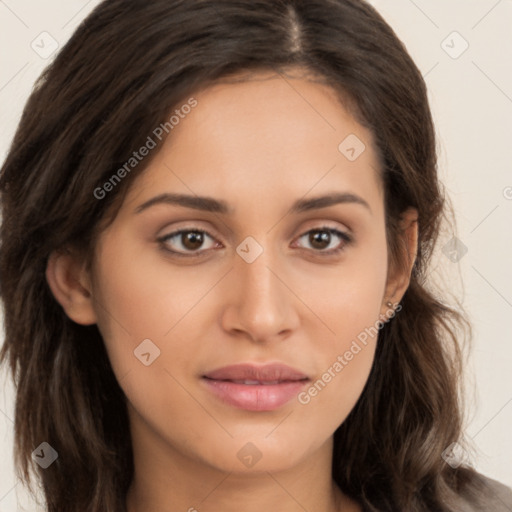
<point>312,224</point>
<point>320,225</point>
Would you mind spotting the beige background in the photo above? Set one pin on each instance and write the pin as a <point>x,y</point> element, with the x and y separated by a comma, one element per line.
<point>471,99</point>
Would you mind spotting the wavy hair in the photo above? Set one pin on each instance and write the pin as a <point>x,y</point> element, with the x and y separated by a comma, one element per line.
<point>125,68</point>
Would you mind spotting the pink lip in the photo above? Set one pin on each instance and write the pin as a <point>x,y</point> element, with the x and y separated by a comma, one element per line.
<point>278,384</point>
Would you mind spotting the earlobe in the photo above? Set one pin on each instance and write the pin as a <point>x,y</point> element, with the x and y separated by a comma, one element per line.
<point>68,282</point>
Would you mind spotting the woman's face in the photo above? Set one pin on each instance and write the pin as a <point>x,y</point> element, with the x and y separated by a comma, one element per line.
<point>249,282</point>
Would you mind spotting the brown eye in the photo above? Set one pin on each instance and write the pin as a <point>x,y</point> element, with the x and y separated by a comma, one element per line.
<point>185,241</point>
<point>321,239</point>
<point>192,239</point>
<point>191,242</point>
<point>318,239</point>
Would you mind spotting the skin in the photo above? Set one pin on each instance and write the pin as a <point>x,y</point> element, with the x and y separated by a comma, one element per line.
<point>259,145</point>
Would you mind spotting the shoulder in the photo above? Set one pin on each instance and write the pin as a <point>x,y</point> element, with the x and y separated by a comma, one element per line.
<point>492,496</point>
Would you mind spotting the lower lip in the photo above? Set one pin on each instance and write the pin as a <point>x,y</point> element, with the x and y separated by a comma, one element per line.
<point>257,397</point>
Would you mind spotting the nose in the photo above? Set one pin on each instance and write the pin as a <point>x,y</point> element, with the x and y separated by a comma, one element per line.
<point>262,306</point>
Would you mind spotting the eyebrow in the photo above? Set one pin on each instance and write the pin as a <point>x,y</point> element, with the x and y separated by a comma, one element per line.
<point>209,204</point>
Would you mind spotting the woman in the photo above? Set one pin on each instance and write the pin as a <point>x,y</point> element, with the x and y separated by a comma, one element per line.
<point>217,224</point>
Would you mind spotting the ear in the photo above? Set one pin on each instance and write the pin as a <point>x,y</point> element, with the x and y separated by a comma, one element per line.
<point>70,285</point>
<point>399,278</point>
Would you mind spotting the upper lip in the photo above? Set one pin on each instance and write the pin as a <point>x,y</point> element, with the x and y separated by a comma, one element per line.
<point>267,372</point>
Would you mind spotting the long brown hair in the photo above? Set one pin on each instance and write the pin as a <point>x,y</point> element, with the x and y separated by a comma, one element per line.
<point>124,69</point>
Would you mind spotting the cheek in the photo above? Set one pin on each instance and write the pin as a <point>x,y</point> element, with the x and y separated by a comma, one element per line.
<point>344,363</point>
<point>128,306</point>
<point>348,303</point>
<point>137,304</point>
<point>140,296</point>
<point>333,393</point>
<point>346,297</point>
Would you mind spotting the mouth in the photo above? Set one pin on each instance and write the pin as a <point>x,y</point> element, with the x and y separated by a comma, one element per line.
<point>255,388</point>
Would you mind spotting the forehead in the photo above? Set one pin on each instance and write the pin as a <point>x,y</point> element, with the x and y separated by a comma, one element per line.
<point>268,132</point>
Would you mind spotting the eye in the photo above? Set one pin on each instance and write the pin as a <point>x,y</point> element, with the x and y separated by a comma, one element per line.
<point>187,240</point>
<point>190,240</point>
<point>321,238</point>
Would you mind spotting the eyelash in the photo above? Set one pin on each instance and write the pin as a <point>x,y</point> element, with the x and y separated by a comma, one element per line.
<point>348,239</point>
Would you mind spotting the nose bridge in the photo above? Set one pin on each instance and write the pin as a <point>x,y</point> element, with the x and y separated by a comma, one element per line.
<point>262,300</point>
<point>254,273</point>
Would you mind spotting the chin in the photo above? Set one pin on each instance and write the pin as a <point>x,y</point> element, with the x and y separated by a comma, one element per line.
<point>259,454</point>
